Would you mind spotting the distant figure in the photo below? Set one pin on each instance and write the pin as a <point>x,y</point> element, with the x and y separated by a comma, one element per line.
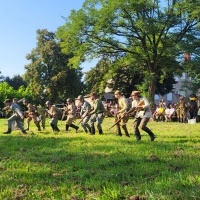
<point>85,109</point>
<point>17,116</point>
<point>53,113</point>
<point>120,118</point>
<point>70,110</point>
<point>96,114</point>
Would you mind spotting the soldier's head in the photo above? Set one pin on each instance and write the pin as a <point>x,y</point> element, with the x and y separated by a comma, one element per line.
<point>15,100</point>
<point>93,95</point>
<point>80,98</point>
<point>25,101</point>
<point>135,94</point>
<point>7,102</point>
<point>69,101</point>
<point>117,94</point>
<point>48,103</point>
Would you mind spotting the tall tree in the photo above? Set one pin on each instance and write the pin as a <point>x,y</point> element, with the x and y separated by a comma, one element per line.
<point>16,81</point>
<point>48,75</point>
<point>149,34</point>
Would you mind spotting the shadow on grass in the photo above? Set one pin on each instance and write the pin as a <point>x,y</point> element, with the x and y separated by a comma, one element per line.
<point>94,163</point>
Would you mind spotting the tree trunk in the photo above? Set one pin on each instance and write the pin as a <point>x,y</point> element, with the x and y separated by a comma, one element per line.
<point>151,91</point>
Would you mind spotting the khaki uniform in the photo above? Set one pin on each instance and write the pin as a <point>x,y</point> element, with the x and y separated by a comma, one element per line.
<point>181,110</point>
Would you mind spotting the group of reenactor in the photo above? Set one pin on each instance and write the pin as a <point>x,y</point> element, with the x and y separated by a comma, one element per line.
<point>91,113</point>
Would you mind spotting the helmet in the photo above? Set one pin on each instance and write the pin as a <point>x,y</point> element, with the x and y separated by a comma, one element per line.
<point>69,100</point>
<point>48,103</point>
<point>80,97</point>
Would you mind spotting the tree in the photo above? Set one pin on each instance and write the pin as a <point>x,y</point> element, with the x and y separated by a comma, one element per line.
<point>16,81</point>
<point>148,34</point>
<point>48,75</point>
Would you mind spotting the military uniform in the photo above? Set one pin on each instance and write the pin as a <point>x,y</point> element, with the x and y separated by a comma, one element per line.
<point>182,110</point>
<point>70,110</point>
<point>53,113</point>
<point>17,116</point>
<point>121,118</point>
<point>143,114</point>
<point>85,109</point>
<point>97,114</point>
<point>31,114</point>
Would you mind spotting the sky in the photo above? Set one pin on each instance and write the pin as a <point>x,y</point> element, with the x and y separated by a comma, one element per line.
<point>19,20</point>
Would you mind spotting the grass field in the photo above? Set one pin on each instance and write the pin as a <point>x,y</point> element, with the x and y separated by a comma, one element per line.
<point>76,166</point>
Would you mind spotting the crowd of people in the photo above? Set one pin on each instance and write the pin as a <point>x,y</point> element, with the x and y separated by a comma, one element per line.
<point>93,112</point>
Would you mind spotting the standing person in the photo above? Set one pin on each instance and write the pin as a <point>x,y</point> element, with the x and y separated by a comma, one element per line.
<point>16,116</point>
<point>96,114</point>
<point>122,109</point>
<point>70,110</point>
<point>31,114</point>
<point>143,114</point>
<point>182,110</point>
<point>85,109</point>
<point>53,113</point>
<point>42,115</point>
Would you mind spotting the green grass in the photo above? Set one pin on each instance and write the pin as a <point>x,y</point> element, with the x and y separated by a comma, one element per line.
<point>68,165</point>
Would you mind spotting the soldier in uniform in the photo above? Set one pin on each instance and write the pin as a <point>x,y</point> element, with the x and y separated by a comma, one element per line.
<point>31,114</point>
<point>182,110</point>
<point>16,116</point>
<point>122,108</point>
<point>143,113</point>
<point>85,108</point>
<point>53,113</point>
<point>70,110</point>
<point>96,114</point>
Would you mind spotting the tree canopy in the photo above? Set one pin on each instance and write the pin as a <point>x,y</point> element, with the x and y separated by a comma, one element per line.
<point>149,36</point>
<point>48,76</point>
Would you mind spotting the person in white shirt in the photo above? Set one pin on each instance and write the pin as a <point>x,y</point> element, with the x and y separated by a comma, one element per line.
<point>143,114</point>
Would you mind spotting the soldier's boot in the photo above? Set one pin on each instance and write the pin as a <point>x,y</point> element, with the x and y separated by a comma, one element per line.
<point>84,128</point>
<point>24,132</point>
<point>88,127</point>
<point>100,132</point>
<point>125,130</point>
<point>137,135</point>
<point>57,129</point>
<point>151,134</point>
<point>53,127</point>
<point>38,126</point>
<point>119,133</point>
<point>8,131</point>
<point>92,129</point>
<point>75,127</point>
<point>66,127</point>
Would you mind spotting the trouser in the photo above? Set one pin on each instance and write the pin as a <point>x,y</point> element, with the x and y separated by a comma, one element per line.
<point>85,125</point>
<point>18,120</point>
<point>98,118</point>
<point>141,123</point>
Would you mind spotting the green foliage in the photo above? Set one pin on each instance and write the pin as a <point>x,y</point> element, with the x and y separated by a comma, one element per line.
<point>48,74</point>
<point>46,165</point>
<point>16,81</point>
<point>149,35</point>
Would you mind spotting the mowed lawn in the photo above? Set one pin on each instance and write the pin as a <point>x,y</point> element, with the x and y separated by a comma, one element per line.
<point>77,166</point>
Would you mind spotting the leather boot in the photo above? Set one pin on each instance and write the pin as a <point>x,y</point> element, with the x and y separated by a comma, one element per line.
<point>66,127</point>
<point>119,133</point>
<point>125,130</point>
<point>152,136</point>
<point>74,126</point>
<point>100,132</point>
<point>8,131</point>
<point>57,129</point>
<point>53,127</point>
<point>92,129</point>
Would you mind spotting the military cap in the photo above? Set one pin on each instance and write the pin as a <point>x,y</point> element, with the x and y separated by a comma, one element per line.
<point>69,100</point>
<point>135,93</point>
<point>80,97</point>
<point>117,92</point>
<point>93,94</point>
<point>7,101</point>
<point>48,103</point>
